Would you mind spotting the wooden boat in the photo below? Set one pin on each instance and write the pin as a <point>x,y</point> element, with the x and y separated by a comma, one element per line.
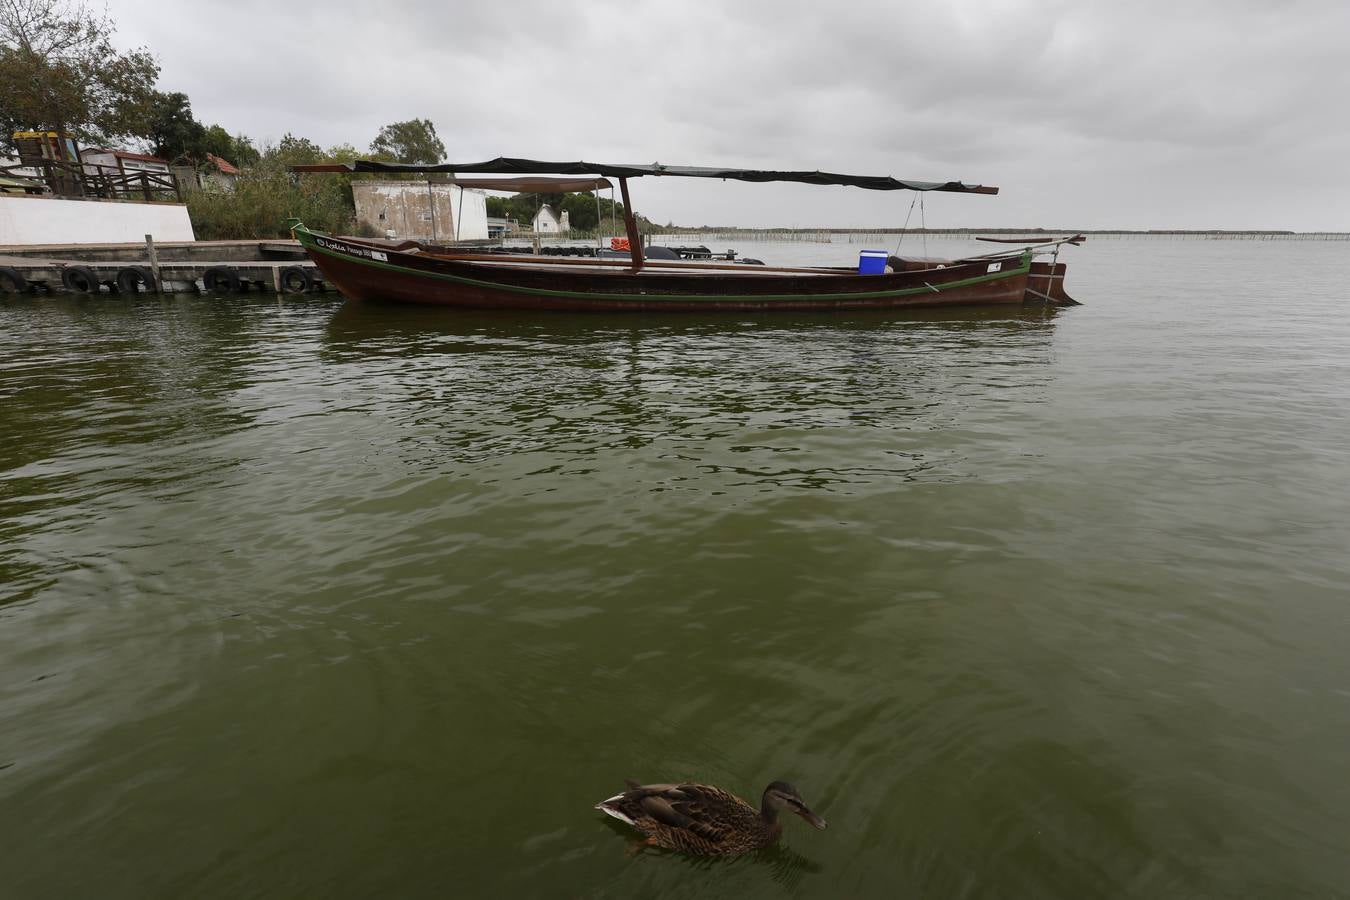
<point>410,272</point>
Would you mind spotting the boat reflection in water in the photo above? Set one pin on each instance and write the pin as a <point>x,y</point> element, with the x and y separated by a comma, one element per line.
<point>355,327</point>
<point>812,401</point>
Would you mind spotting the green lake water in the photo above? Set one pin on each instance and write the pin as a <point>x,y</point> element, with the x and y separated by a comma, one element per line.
<point>301,598</point>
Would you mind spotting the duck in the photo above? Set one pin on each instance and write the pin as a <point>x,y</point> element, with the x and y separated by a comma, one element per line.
<point>702,820</point>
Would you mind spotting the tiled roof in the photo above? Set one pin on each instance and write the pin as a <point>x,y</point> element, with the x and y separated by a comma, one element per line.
<point>143,157</point>
<point>225,166</point>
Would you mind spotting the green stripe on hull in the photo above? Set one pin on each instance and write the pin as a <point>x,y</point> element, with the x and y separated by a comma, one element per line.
<point>304,235</point>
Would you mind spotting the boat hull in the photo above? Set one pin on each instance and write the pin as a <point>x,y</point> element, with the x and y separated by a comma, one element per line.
<point>372,272</point>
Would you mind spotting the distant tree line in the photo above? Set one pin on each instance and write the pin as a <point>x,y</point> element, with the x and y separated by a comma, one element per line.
<point>580,209</point>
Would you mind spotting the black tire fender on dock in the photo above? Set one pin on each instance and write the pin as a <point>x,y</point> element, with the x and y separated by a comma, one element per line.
<point>296,280</point>
<point>131,278</point>
<point>80,278</point>
<point>220,279</point>
<point>13,282</point>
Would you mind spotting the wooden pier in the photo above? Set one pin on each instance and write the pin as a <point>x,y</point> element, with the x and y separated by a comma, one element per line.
<point>212,267</point>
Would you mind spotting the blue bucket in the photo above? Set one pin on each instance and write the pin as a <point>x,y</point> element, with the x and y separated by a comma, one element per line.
<point>872,262</point>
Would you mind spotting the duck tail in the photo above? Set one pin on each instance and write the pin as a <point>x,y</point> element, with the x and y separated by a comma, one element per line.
<point>606,807</point>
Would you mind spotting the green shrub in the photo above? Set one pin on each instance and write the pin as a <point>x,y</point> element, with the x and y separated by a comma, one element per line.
<point>266,194</point>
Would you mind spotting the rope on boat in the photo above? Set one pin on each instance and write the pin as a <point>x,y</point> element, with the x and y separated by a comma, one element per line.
<point>905,227</point>
<point>923,225</point>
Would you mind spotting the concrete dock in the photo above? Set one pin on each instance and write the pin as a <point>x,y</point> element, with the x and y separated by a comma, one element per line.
<point>278,266</point>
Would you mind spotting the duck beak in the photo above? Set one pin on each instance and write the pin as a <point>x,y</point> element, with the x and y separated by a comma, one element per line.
<point>815,820</point>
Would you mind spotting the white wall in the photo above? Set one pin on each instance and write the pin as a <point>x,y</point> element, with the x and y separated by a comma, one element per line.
<point>48,220</point>
<point>471,214</point>
<point>141,165</point>
<point>128,165</point>
<point>98,159</point>
<point>14,161</point>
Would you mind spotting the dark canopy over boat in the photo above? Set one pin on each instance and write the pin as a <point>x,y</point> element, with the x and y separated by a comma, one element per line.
<point>416,273</point>
<point>504,165</point>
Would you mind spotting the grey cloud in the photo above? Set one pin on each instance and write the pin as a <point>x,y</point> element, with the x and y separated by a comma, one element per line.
<point>1086,113</point>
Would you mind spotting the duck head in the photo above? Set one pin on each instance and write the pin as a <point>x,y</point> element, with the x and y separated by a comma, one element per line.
<point>782,796</point>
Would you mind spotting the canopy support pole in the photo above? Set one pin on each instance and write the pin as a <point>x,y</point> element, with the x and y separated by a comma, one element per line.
<point>630,223</point>
<point>599,224</point>
<point>459,214</point>
<point>431,205</point>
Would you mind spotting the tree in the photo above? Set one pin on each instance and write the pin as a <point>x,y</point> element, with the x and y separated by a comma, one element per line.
<point>245,154</point>
<point>581,211</point>
<point>60,72</point>
<point>217,141</point>
<point>344,153</point>
<point>296,151</point>
<point>413,141</point>
<point>172,131</point>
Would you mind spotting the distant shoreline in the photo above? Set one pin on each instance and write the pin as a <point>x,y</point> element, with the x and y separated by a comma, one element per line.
<point>1033,232</point>
<point>826,234</point>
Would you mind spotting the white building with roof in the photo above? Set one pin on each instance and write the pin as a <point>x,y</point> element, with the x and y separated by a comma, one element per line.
<point>549,220</point>
<point>123,161</point>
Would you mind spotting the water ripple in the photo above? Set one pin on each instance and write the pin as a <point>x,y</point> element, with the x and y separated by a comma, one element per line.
<point>354,600</point>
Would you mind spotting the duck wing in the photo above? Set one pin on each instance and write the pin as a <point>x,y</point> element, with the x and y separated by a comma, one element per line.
<point>708,812</point>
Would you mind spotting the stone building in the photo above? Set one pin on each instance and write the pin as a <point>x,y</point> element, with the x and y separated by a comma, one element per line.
<point>416,210</point>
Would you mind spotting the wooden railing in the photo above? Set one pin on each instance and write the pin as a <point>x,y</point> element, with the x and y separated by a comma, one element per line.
<point>69,179</point>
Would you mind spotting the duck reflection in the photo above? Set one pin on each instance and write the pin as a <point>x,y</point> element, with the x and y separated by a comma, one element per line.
<point>786,866</point>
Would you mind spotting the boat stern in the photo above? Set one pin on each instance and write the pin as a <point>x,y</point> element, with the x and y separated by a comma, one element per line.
<point>1045,284</point>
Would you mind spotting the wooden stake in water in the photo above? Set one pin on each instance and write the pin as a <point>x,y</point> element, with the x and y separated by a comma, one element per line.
<point>154,260</point>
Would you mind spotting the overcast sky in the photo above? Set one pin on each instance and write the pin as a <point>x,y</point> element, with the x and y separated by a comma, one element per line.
<point>1182,114</point>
